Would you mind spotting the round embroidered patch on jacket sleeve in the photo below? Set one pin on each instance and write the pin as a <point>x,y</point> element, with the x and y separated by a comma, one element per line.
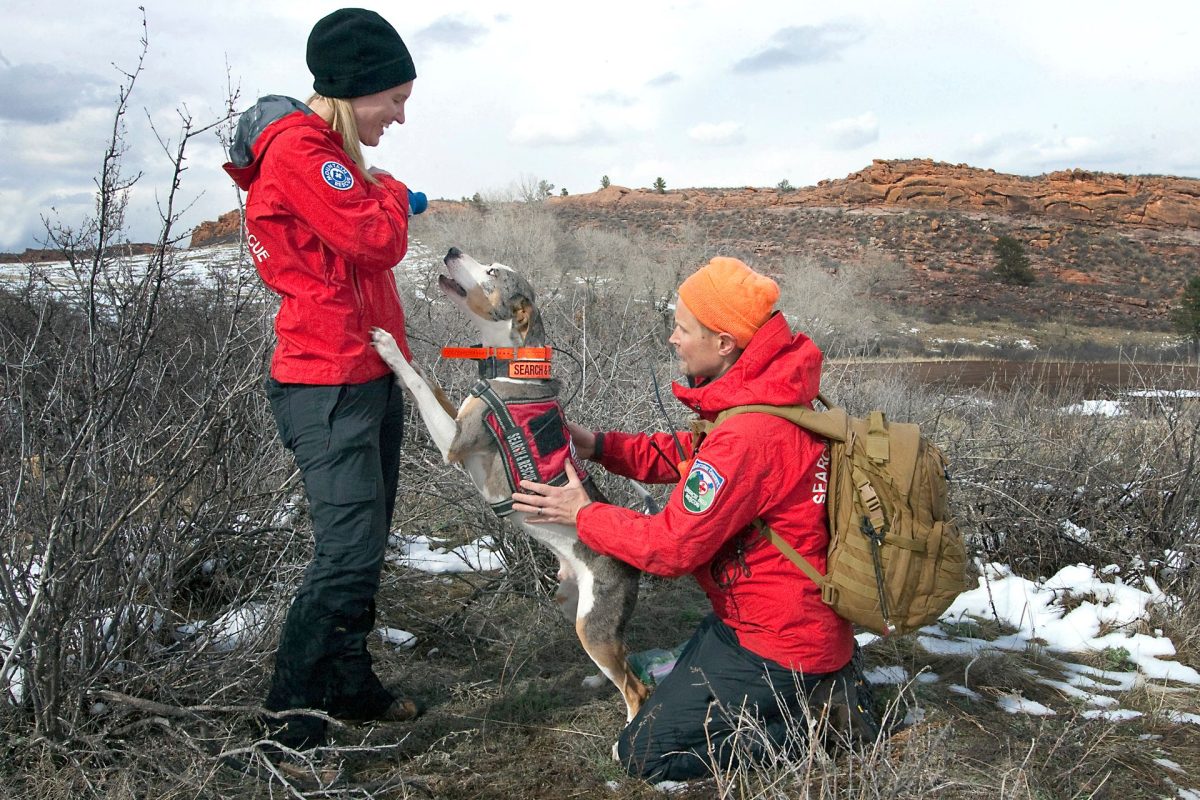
<point>701,487</point>
<point>337,176</point>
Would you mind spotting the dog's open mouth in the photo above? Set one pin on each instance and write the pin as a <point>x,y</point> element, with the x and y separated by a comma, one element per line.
<point>449,285</point>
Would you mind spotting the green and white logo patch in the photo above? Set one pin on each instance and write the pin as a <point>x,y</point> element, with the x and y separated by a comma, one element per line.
<point>701,487</point>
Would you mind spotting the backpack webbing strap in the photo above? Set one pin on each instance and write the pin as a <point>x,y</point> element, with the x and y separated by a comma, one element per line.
<point>870,500</point>
<point>878,449</point>
<point>809,570</point>
<point>800,561</point>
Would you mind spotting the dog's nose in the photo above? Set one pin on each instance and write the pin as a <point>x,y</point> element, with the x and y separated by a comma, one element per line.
<point>453,254</point>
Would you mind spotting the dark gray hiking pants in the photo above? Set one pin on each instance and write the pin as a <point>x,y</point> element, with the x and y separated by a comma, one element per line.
<point>346,441</point>
<point>721,704</point>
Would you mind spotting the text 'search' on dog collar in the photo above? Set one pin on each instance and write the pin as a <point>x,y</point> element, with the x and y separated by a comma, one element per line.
<point>528,363</point>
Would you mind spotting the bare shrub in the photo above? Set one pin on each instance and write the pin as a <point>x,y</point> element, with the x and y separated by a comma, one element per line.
<point>521,235</point>
<point>1052,486</point>
<point>139,471</point>
<point>840,308</point>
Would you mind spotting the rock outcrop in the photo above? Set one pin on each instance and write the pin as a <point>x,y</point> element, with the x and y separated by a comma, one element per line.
<point>226,228</point>
<point>1079,195</point>
<point>1105,199</point>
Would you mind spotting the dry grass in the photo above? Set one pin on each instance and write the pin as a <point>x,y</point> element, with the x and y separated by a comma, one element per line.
<point>509,717</point>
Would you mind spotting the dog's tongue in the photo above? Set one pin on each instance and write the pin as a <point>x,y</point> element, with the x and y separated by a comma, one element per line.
<point>448,284</point>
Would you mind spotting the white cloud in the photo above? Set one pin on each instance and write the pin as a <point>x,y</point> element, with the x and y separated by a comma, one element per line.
<point>718,133</point>
<point>451,32</point>
<point>46,93</point>
<point>1027,153</point>
<point>800,45</point>
<point>557,130</point>
<point>665,79</point>
<point>853,132</point>
<point>615,98</point>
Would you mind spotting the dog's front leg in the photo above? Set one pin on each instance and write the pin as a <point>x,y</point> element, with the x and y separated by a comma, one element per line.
<point>441,423</point>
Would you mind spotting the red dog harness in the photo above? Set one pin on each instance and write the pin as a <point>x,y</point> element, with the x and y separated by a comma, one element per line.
<point>533,438</point>
<point>531,433</point>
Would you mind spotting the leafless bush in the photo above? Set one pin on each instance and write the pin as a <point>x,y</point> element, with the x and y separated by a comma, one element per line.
<point>841,309</point>
<point>139,470</point>
<point>1052,486</point>
<point>521,235</point>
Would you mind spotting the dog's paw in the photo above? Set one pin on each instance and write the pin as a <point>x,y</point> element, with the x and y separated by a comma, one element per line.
<point>381,339</point>
<point>385,344</point>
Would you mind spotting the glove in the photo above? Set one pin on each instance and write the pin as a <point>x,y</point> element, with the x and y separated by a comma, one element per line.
<point>417,202</point>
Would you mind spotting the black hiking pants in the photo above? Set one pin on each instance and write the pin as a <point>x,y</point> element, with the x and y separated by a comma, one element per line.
<point>719,705</point>
<point>346,441</point>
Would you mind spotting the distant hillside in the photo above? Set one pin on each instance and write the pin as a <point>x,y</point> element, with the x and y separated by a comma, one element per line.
<point>1107,249</point>
<point>31,256</point>
<point>1075,195</point>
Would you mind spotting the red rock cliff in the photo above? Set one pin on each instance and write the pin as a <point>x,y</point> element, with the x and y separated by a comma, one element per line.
<point>1155,201</point>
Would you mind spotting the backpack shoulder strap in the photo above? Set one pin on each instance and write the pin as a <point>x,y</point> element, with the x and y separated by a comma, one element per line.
<point>790,552</point>
<point>833,424</point>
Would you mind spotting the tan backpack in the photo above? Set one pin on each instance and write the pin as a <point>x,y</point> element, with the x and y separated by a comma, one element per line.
<point>896,558</point>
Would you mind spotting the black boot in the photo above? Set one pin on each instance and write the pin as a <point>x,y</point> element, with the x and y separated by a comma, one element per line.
<point>301,677</point>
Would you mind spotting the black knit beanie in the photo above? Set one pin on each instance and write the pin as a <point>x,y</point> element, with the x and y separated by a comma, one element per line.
<point>355,52</point>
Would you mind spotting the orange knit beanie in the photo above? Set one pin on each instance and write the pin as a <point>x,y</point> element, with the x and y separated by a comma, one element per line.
<point>726,295</point>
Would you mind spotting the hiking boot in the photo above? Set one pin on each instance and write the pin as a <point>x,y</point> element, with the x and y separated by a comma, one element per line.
<point>384,705</point>
<point>402,709</point>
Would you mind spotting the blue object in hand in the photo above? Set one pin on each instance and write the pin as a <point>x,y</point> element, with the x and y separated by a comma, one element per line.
<point>417,202</point>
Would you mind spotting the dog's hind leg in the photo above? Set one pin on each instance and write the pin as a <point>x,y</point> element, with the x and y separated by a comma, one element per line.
<point>609,653</point>
<point>607,596</point>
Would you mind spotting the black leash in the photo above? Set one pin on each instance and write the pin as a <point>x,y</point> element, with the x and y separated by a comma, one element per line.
<point>578,371</point>
<point>667,417</point>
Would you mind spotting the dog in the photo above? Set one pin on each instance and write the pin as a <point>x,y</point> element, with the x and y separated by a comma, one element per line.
<point>595,592</point>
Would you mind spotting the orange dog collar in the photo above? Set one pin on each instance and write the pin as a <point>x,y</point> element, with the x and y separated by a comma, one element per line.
<point>530,363</point>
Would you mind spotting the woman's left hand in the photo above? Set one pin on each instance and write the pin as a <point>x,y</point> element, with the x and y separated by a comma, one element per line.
<point>556,504</point>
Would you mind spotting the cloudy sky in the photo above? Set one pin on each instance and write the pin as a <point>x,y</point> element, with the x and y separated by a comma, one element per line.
<point>699,92</point>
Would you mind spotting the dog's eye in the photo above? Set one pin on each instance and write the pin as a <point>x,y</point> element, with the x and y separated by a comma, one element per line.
<point>492,272</point>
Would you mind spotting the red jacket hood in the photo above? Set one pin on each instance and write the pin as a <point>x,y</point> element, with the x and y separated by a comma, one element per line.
<point>259,126</point>
<point>777,368</point>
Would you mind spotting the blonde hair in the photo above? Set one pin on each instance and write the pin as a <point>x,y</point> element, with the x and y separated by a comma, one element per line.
<point>341,119</point>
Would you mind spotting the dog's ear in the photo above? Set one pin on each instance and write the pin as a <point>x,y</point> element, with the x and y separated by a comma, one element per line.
<point>528,330</point>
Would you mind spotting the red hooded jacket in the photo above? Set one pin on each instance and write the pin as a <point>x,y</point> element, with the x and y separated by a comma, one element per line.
<point>752,466</point>
<point>325,240</point>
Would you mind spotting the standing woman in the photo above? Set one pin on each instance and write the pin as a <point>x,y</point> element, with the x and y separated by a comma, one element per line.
<point>325,232</point>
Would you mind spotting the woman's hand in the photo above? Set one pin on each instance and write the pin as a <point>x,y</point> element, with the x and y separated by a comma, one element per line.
<point>546,503</point>
<point>584,440</point>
